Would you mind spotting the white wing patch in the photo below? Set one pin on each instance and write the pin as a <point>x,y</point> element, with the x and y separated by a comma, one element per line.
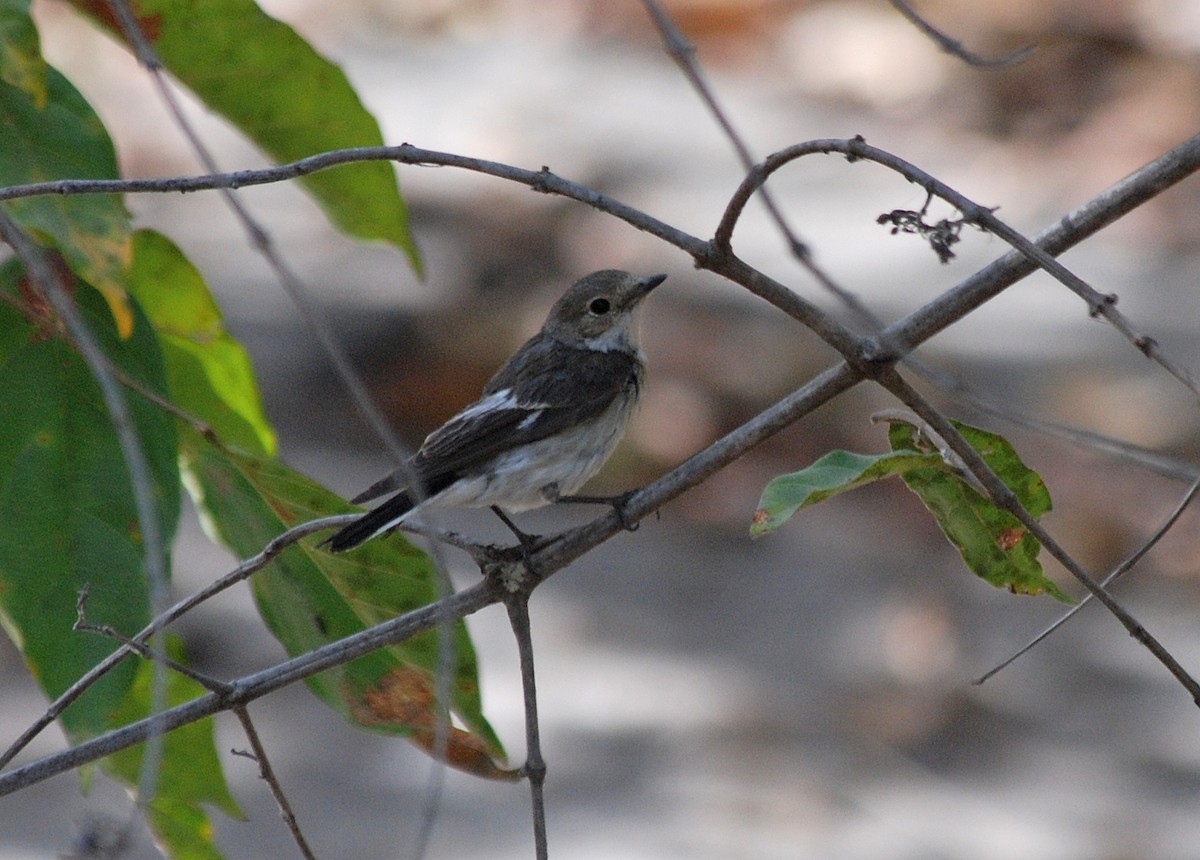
<point>502,399</point>
<point>530,419</point>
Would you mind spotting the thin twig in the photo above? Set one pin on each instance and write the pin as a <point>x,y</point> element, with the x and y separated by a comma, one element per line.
<point>535,765</point>
<point>683,52</point>
<point>1120,570</point>
<point>260,239</point>
<point>268,775</point>
<point>954,47</point>
<point>143,650</point>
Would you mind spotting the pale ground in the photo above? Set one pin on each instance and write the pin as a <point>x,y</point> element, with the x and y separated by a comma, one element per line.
<point>804,696</point>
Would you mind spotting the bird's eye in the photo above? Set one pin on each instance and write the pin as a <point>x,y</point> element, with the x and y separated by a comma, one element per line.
<point>599,306</point>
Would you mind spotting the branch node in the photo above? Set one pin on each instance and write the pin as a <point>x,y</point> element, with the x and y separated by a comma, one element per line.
<point>542,182</point>
<point>876,351</point>
<point>1101,305</point>
<point>855,148</point>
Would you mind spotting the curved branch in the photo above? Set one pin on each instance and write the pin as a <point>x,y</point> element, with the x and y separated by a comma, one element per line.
<point>1185,158</point>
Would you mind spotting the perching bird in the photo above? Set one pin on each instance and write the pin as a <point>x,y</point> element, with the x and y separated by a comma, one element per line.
<point>547,421</point>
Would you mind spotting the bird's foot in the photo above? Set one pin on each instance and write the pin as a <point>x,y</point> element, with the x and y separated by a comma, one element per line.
<point>616,502</point>
<point>529,543</point>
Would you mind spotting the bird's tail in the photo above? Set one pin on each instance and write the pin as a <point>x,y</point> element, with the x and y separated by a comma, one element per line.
<point>384,517</point>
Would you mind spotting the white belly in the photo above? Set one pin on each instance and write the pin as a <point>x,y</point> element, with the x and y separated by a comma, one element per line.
<point>535,475</point>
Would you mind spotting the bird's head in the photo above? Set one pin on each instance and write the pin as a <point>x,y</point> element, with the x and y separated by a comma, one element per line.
<point>598,311</point>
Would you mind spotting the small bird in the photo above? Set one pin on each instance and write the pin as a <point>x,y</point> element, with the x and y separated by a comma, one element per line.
<point>547,421</point>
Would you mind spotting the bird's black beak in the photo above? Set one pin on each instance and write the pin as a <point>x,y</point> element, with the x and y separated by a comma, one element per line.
<point>647,284</point>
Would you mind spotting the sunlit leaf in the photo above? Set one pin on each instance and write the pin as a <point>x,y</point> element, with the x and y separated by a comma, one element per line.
<point>264,78</point>
<point>209,372</point>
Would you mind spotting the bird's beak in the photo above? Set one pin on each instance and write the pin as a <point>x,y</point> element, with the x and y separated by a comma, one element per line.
<point>647,284</point>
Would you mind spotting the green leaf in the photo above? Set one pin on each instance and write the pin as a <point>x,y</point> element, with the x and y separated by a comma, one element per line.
<point>65,497</point>
<point>209,372</point>
<point>189,773</point>
<point>309,597</point>
<point>993,543</point>
<point>834,473</point>
<point>21,63</point>
<point>58,136</point>
<point>265,79</point>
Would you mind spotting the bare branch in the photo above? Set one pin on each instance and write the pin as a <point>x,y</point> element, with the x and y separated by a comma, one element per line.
<point>857,148</point>
<point>535,766</point>
<point>954,47</point>
<point>1119,571</point>
<point>268,775</point>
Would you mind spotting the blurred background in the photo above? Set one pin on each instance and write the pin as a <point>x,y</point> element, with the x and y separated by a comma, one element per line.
<point>806,695</point>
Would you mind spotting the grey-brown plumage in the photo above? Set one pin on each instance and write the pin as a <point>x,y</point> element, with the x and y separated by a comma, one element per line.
<point>546,422</point>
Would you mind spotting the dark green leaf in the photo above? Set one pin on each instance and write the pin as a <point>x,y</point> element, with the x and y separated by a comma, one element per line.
<point>65,498</point>
<point>64,139</point>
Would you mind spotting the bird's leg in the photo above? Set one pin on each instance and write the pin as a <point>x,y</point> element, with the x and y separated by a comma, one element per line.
<point>529,543</point>
<point>617,503</point>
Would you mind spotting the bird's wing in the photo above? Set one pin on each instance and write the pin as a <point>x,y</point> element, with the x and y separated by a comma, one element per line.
<point>533,397</point>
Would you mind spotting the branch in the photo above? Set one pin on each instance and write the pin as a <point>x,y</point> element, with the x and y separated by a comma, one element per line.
<point>1185,157</point>
<point>562,550</point>
<point>1119,571</point>
<point>1121,198</point>
<point>1005,498</point>
<point>954,47</point>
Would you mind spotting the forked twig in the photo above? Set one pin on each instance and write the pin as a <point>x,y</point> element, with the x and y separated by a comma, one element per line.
<point>1120,570</point>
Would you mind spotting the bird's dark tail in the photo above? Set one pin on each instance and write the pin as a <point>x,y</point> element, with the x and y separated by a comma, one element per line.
<point>370,524</point>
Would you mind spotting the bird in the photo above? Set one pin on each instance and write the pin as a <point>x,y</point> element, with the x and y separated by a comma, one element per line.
<point>545,423</point>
